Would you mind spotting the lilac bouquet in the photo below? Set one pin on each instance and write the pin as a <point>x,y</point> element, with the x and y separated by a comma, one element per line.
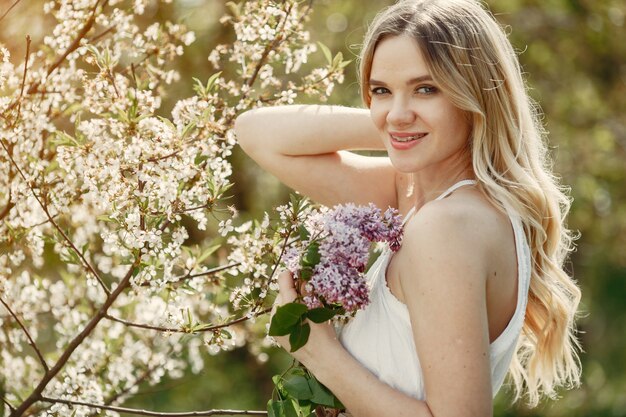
<point>329,262</point>
<point>334,252</point>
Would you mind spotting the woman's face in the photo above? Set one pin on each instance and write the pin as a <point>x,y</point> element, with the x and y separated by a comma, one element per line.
<point>418,124</point>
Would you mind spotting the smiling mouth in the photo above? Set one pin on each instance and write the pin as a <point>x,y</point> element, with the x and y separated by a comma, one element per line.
<point>408,138</point>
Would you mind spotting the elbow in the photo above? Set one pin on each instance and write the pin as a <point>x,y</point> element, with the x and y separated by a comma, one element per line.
<point>243,128</point>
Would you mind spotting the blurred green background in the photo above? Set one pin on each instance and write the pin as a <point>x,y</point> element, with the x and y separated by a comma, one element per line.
<point>574,55</point>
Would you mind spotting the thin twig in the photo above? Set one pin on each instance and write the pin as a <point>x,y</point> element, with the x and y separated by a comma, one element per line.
<point>177,330</point>
<point>7,209</point>
<point>31,342</point>
<point>101,35</point>
<point>156,413</point>
<point>4,400</point>
<point>9,9</point>
<point>202,274</point>
<point>21,96</point>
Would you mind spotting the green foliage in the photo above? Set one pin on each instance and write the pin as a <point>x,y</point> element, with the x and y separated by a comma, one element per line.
<point>299,394</point>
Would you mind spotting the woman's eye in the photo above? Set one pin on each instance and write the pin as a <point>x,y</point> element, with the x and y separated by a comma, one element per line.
<point>426,89</point>
<point>379,90</point>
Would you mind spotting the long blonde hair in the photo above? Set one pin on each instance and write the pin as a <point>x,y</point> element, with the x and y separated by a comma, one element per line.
<point>471,59</point>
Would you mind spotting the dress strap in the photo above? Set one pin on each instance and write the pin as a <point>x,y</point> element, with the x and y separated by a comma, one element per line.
<point>455,186</point>
<point>443,195</point>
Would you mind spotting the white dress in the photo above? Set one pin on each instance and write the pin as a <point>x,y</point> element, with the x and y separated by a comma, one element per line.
<point>380,336</point>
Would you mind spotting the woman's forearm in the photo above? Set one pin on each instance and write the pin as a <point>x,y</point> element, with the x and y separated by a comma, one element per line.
<point>307,130</point>
<point>361,392</point>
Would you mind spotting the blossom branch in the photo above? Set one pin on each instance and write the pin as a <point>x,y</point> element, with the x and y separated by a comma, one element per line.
<point>201,274</point>
<point>272,45</point>
<point>56,226</point>
<point>75,44</point>
<point>155,413</point>
<point>187,330</point>
<point>146,374</point>
<point>21,96</point>
<point>31,342</point>
<point>77,341</point>
<point>7,209</point>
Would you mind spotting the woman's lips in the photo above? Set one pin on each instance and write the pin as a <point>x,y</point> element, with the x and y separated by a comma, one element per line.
<point>403,141</point>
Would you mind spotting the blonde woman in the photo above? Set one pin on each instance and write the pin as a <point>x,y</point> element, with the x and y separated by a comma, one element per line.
<point>477,290</point>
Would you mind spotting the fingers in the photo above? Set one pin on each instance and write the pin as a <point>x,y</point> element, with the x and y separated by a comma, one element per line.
<point>286,287</point>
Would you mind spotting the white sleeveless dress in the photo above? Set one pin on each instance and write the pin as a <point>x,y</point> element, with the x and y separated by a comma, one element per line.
<point>380,336</point>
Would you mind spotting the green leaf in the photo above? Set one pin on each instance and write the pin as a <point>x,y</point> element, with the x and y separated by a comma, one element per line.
<point>272,409</point>
<point>306,408</point>
<point>281,408</point>
<point>299,336</point>
<point>198,87</point>
<point>322,395</point>
<point>320,314</point>
<point>312,256</point>
<point>290,408</point>
<point>208,252</point>
<point>168,122</point>
<point>295,202</point>
<point>188,128</point>
<point>298,387</point>
<point>210,84</point>
<point>285,318</point>
<point>278,383</point>
<point>304,234</point>
<point>326,52</point>
<point>297,370</point>
<point>344,64</point>
<point>306,273</point>
<point>337,60</point>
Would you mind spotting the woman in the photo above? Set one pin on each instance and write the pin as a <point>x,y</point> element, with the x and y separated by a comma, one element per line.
<point>477,289</point>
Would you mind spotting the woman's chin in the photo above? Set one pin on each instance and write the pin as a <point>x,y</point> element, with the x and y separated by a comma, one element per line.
<point>404,166</point>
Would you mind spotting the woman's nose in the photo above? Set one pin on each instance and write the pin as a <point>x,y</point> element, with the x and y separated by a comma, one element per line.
<point>400,114</point>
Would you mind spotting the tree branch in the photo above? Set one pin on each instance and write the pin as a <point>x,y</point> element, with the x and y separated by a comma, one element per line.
<point>31,342</point>
<point>75,44</point>
<point>56,226</point>
<point>21,96</point>
<point>80,338</point>
<point>155,413</point>
<point>4,400</point>
<point>202,274</point>
<point>183,330</point>
<point>7,209</point>
<point>9,9</point>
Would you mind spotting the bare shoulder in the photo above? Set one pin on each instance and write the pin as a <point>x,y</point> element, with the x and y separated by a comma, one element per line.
<point>463,213</point>
<point>462,229</point>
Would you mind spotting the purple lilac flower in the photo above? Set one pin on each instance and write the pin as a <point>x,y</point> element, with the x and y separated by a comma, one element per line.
<point>371,222</point>
<point>291,258</point>
<point>339,284</point>
<point>344,235</point>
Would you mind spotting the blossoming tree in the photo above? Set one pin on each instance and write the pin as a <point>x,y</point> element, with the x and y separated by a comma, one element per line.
<point>99,285</point>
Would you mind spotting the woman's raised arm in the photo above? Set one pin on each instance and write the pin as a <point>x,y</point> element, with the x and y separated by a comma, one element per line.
<point>307,148</point>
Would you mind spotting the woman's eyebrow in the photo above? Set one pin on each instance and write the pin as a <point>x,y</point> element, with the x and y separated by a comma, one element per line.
<point>415,80</point>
